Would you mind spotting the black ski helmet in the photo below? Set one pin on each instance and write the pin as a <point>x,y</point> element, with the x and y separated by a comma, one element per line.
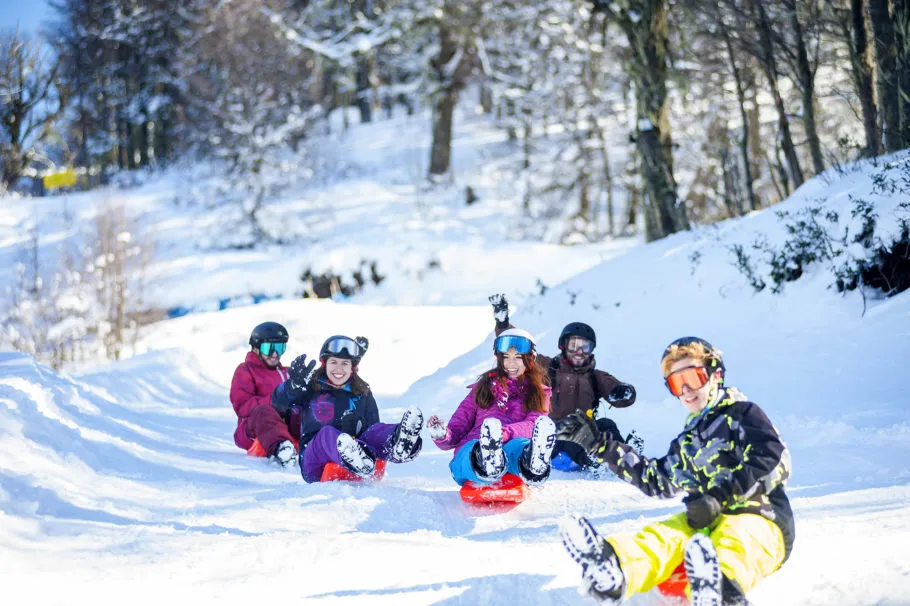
<point>345,352</point>
<point>268,332</point>
<point>714,361</point>
<point>577,329</point>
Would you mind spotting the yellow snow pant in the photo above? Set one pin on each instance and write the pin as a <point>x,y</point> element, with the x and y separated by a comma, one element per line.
<point>749,548</point>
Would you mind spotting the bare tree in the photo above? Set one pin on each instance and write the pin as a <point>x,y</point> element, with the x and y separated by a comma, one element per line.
<point>851,24</point>
<point>645,25</point>
<point>30,102</point>
<point>451,68</point>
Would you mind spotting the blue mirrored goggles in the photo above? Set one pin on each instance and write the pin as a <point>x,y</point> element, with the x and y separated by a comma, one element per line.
<point>343,344</point>
<point>266,349</point>
<point>522,345</point>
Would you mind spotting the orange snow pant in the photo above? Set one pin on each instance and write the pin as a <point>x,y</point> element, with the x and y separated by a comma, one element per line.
<point>749,548</point>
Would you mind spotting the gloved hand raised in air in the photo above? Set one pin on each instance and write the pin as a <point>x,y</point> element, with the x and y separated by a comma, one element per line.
<point>299,376</point>
<point>437,428</point>
<point>500,309</point>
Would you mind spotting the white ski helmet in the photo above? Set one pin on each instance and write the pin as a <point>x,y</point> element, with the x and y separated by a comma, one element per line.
<point>521,340</point>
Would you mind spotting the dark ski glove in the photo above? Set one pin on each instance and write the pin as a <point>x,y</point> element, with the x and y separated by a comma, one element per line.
<point>364,344</point>
<point>621,393</point>
<point>299,375</point>
<point>349,423</point>
<point>702,510</point>
<point>500,309</point>
<point>581,429</point>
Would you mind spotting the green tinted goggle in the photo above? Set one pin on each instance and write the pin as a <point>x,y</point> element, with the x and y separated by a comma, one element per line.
<point>266,349</point>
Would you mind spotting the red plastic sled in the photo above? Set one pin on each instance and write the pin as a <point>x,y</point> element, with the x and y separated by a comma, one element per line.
<point>333,473</point>
<point>256,450</point>
<point>675,586</point>
<point>510,489</point>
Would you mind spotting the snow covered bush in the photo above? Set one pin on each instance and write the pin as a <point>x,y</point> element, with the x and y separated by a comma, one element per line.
<point>83,303</point>
<point>864,243</point>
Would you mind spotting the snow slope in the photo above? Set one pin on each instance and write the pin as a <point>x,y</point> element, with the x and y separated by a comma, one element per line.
<point>121,482</point>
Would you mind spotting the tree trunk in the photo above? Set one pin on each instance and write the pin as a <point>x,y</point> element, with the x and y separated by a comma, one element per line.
<point>769,65</point>
<point>444,109</point>
<point>364,90</point>
<point>451,80</point>
<point>864,73</point>
<point>807,88</point>
<point>744,140</point>
<point>880,16</point>
<point>664,212</point>
<point>902,44</point>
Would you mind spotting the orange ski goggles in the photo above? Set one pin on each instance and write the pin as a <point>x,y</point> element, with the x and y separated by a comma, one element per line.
<point>693,376</point>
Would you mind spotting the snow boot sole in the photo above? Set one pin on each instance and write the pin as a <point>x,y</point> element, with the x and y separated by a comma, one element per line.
<point>404,441</point>
<point>703,571</point>
<point>543,439</point>
<point>354,457</point>
<point>492,459</point>
<point>601,573</point>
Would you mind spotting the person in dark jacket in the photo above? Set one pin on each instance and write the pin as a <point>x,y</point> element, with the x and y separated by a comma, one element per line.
<point>339,419</point>
<point>576,384</point>
<point>251,394</point>
<point>731,464</point>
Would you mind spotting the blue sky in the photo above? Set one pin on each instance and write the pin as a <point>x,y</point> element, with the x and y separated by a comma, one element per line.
<point>29,14</point>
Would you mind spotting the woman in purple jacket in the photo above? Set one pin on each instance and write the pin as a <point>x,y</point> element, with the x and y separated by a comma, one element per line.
<point>502,425</point>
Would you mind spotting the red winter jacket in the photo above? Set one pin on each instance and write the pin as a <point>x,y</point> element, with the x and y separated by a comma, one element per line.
<point>252,386</point>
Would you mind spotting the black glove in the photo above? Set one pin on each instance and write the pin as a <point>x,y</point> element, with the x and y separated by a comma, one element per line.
<point>500,308</point>
<point>299,375</point>
<point>349,422</point>
<point>581,429</point>
<point>364,344</point>
<point>702,510</point>
<point>621,393</point>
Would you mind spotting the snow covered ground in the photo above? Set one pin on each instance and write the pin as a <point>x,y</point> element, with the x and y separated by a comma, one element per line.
<point>121,482</point>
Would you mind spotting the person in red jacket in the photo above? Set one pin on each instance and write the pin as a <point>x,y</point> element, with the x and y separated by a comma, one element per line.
<point>251,395</point>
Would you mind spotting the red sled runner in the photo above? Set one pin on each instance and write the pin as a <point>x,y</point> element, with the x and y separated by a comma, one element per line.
<point>675,586</point>
<point>333,472</point>
<point>503,495</point>
<point>256,450</point>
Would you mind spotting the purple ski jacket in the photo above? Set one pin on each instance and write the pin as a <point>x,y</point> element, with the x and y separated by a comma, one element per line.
<point>509,408</point>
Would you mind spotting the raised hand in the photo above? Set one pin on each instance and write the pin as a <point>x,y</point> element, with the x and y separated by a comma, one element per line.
<point>500,307</point>
<point>436,428</point>
<point>363,342</point>
<point>299,375</point>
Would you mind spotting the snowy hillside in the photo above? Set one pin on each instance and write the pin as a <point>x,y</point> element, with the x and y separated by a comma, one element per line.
<point>121,482</point>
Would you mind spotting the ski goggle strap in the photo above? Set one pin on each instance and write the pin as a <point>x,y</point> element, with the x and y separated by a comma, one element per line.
<point>573,344</point>
<point>266,349</point>
<point>693,376</point>
<point>343,344</point>
<point>522,345</point>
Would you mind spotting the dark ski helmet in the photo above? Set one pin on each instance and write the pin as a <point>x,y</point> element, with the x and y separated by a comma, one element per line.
<point>340,346</point>
<point>577,329</point>
<point>714,361</point>
<point>268,332</point>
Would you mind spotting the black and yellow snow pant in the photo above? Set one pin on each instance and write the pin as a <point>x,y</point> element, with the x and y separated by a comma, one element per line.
<point>749,548</point>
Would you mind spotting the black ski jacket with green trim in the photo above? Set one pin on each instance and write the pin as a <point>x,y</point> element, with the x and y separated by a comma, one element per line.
<point>730,450</point>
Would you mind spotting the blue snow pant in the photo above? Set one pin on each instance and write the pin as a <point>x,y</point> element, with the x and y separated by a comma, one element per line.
<point>463,471</point>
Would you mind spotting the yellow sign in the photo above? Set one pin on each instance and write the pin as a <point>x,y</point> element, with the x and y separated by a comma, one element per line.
<point>61,179</point>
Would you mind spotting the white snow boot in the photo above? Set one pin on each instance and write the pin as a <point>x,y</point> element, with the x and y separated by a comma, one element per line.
<point>354,457</point>
<point>489,459</point>
<point>703,570</point>
<point>535,460</point>
<point>601,574</point>
<point>285,454</point>
<point>404,444</point>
